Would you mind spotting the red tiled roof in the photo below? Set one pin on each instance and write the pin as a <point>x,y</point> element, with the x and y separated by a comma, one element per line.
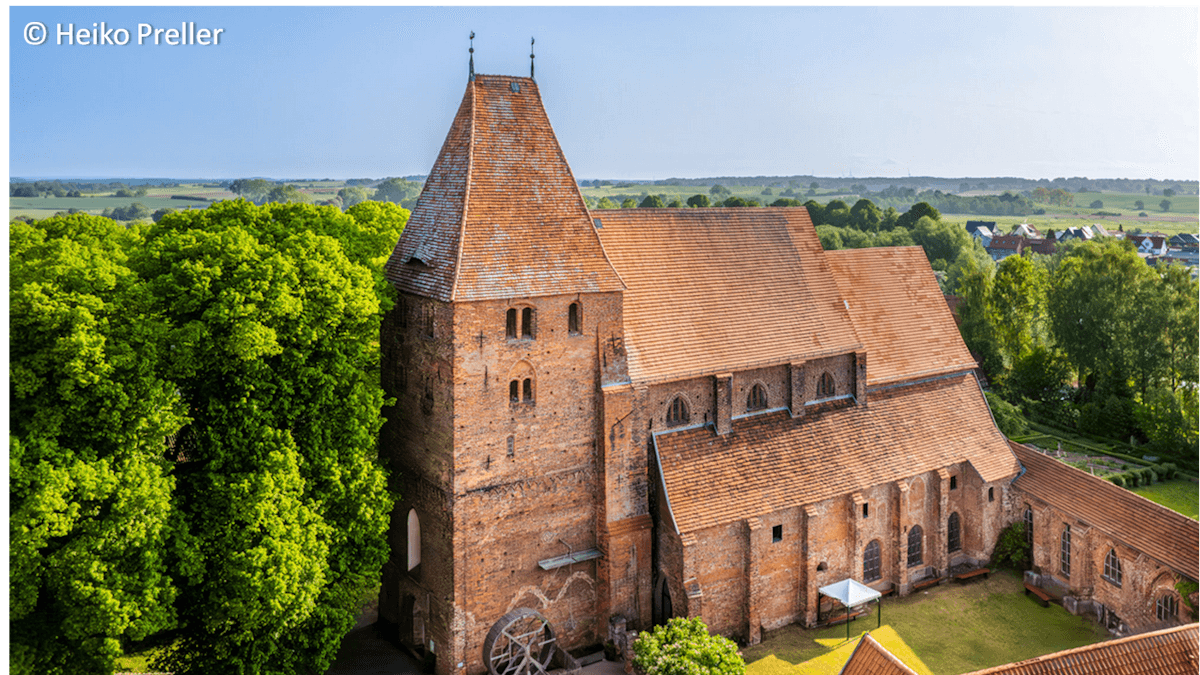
<point>1137,522</point>
<point>1008,242</point>
<point>899,312</point>
<point>500,215</point>
<point>872,658</point>
<point>770,462</point>
<point>722,289</point>
<point>1172,651</point>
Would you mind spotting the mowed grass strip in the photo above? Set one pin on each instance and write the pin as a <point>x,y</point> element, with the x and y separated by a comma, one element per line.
<point>1178,495</point>
<point>950,629</point>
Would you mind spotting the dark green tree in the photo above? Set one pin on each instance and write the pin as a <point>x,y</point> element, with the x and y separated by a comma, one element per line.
<point>698,201</point>
<point>396,190</point>
<point>684,647</point>
<point>915,213</point>
<point>652,202</point>
<point>605,203</point>
<point>1096,204</point>
<point>1139,205</point>
<point>629,203</point>
<point>719,190</point>
<point>254,189</point>
<point>1165,205</point>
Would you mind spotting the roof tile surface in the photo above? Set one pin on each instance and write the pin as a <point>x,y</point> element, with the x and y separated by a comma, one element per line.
<point>871,658</point>
<point>770,462</point>
<point>500,215</point>
<point>1172,651</point>
<point>899,312</point>
<point>722,289</point>
<point>1159,532</point>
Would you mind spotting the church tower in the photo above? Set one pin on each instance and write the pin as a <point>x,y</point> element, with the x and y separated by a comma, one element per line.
<point>506,329</point>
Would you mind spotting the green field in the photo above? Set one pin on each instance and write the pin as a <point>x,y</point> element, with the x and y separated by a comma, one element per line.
<point>949,629</point>
<point>1177,495</point>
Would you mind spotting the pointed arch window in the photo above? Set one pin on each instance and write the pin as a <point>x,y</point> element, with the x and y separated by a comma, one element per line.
<point>1112,567</point>
<point>915,541</point>
<point>677,412</point>
<point>1064,552</point>
<point>871,562</point>
<point>510,324</point>
<point>414,539</point>
<point>757,399</point>
<point>574,319</point>
<point>953,533</point>
<point>527,323</point>
<point>521,387</point>
<point>825,386</point>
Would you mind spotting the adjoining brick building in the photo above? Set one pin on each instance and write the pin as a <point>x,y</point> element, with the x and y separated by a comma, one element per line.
<point>614,417</point>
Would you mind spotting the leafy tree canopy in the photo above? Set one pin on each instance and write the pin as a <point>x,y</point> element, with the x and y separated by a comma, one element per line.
<point>698,201</point>
<point>684,647</point>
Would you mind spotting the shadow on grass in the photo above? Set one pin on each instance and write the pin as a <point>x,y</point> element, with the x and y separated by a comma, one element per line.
<point>949,629</point>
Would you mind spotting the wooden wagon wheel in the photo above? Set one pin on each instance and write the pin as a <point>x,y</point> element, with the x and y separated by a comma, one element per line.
<point>520,643</point>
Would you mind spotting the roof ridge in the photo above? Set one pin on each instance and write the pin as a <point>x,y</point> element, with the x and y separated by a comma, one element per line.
<point>1094,647</point>
<point>462,218</point>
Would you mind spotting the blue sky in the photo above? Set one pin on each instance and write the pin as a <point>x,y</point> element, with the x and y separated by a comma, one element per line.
<point>632,92</point>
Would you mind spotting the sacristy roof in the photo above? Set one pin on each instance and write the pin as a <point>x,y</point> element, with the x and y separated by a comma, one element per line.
<point>500,215</point>
<point>871,658</point>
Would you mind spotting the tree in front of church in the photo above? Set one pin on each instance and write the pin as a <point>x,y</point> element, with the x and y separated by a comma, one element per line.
<point>684,647</point>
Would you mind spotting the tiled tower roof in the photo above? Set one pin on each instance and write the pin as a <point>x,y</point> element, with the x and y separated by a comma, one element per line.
<point>500,215</point>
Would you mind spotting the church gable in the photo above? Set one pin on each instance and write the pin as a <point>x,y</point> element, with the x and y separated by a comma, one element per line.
<point>500,215</point>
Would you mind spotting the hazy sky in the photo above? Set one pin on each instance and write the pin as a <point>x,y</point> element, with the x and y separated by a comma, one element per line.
<point>632,92</point>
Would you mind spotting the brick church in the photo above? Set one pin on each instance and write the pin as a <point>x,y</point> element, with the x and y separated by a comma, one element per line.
<point>612,417</point>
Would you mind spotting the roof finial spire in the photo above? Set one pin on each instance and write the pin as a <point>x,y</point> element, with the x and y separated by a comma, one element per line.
<point>531,58</point>
<point>471,76</point>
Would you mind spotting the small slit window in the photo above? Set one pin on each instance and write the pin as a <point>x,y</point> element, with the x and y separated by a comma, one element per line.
<point>511,447</point>
<point>866,510</point>
<point>777,533</point>
<point>414,539</point>
<point>1112,567</point>
<point>514,391</point>
<point>573,319</point>
<point>510,325</point>
<point>953,482</point>
<point>527,391</point>
<point>825,386</point>
<point>991,494</point>
<point>1029,526</point>
<point>677,412</point>
<point>757,399</point>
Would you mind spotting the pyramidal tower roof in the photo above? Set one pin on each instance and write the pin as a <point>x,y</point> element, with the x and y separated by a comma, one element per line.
<point>500,215</point>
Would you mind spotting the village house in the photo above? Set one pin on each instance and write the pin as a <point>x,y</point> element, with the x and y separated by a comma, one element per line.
<point>608,418</point>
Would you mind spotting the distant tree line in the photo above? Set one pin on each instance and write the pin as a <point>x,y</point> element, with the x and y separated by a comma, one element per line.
<point>919,184</point>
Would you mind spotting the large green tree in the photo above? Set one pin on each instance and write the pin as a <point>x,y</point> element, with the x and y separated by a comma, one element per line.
<point>396,190</point>
<point>1018,300</point>
<point>282,501</point>
<point>89,488</point>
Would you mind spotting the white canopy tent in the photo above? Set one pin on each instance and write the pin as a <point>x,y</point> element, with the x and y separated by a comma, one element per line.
<point>852,594</point>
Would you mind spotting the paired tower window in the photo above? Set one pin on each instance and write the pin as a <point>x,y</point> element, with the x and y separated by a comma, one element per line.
<point>526,323</point>
<point>521,391</point>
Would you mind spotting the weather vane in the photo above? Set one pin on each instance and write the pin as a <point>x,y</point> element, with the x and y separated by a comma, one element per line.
<point>472,51</point>
<point>531,58</point>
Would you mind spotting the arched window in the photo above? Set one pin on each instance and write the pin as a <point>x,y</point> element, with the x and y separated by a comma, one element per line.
<point>1028,525</point>
<point>757,400</point>
<point>914,545</point>
<point>677,412</point>
<point>521,387</point>
<point>510,324</point>
<point>574,319</point>
<point>414,539</point>
<point>527,391</point>
<point>1064,552</point>
<point>871,562</point>
<point>527,323</point>
<point>1167,608</point>
<point>1112,567</point>
<point>953,533</point>
<point>825,387</point>
<point>514,391</point>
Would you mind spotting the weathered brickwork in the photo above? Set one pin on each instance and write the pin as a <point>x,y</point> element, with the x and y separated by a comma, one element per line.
<point>555,370</point>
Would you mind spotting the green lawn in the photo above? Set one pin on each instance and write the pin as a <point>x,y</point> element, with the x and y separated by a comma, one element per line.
<point>1177,495</point>
<point>946,630</point>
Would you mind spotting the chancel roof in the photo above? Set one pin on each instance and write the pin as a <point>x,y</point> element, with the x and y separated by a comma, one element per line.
<point>1159,532</point>
<point>899,312</point>
<point>1171,651</point>
<point>771,461</point>
<point>722,289</point>
<point>500,215</point>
